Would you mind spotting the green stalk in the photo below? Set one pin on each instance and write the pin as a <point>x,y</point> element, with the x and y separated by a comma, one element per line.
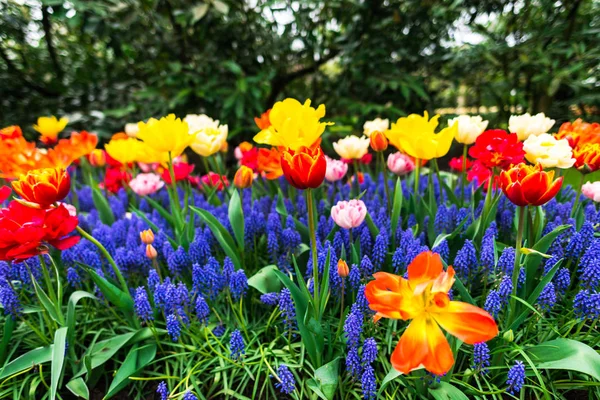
<point>517,266</point>
<point>356,181</point>
<point>48,281</point>
<point>385,180</point>
<point>463,176</point>
<point>417,175</point>
<point>577,194</point>
<point>439,178</point>
<point>177,206</point>
<point>313,247</point>
<point>107,255</point>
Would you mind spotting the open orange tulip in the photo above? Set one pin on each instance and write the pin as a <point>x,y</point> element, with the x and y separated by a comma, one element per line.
<point>423,298</point>
<point>529,185</point>
<point>41,188</point>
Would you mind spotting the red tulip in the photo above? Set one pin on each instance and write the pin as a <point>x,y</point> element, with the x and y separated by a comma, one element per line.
<point>304,168</point>
<point>529,185</point>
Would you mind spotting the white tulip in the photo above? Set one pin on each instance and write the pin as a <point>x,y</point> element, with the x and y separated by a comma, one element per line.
<point>210,136</point>
<point>548,151</point>
<point>526,125</point>
<point>469,128</point>
<point>352,147</point>
<point>377,124</point>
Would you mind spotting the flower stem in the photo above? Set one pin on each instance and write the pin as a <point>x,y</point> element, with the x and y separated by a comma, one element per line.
<point>463,176</point>
<point>385,181</point>
<point>417,175</point>
<point>517,266</point>
<point>107,255</point>
<point>313,247</point>
<point>577,194</point>
<point>177,205</point>
<point>356,180</point>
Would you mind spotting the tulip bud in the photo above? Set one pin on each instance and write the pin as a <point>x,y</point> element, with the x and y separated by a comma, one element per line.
<point>378,141</point>
<point>343,270</point>
<point>147,236</point>
<point>509,336</point>
<point>243,177</point>
<point>224,147</point>
<point>151,252</point>
<point>97,158</point>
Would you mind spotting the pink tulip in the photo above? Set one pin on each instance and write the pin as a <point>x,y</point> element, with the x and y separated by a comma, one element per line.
<point>70,208</point>
<point>400,164</point>
<point>591,191</point>
<point>336,169</point>
<point>349,214</point>
<point>145,184</point>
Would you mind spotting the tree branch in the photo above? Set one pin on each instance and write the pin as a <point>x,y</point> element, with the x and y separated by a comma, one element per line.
<point>48,37</point>
<point>14,70</point>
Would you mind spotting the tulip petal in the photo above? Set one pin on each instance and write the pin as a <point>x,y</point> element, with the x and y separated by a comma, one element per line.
<point>551,192</point>
<point>534,186</point>
<point>423,345</point>
<point>468,323</point>
<point>425,267</point>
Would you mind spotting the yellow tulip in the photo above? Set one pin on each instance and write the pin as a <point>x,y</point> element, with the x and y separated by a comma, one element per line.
<point>415,135</point>
<point>132,150</point>
<point>293,125</point>
<point>168,135</point>
<point>50,127</point>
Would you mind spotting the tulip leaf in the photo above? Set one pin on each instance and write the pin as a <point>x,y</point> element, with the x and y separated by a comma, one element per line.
<point>221,234</point>
<point>533,259</point>
<point>161,210</point>
<point>46,302</point>
<point>566,354</point>
<point>152,225</point>
<point>101,204</point>
<point>112,293</point>
<point>73,300</point>
<point>28,360</point>
<point>265,280</point>
<point>58,359</point>
<point>9,326</point>
<point>136,360</point>
<point>371,225</point>
<point>326,380</point>
<point>446,391</point>
<point>236,218</point>
<point>397,206</point>
<point>78,387</point>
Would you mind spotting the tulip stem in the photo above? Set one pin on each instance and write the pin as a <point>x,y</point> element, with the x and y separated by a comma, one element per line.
<point>417,174</point>
<point>177,205</point>
<point>313,247</point>
<point>386,185</point>
<point>517,265</point>
<point>439,179</point>
<point>463,176</point>
<point>577,195</point>
<point>356,180</point>
<point>107,255</point>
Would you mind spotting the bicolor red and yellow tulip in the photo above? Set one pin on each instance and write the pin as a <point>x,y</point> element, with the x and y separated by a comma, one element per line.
<point>304,168</point>
<point>587,157</point>
<point>423,299</point>
<point>243,177</point>
<point>41,188</point>
<point>527,185</point>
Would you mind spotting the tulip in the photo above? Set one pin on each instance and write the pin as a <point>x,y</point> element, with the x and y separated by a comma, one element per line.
<point>336,169</point>
<point>243,148</point>
<point>97,158</point>
<point>546,150</point>
<point>243,177</point>
<point>151,252</point>
<point>496,148</point>
<point>423,298</point>
<point>349,214</point>
<point>415,135</point>
<point>400,164</point>
<point>378,141</point>
<point>146,184</point>
<point>214,180</point>
<point>181,171</point>
<point>268,163</point>
<point>376,125</point>
<point>50,127</point>
<point>293,125</point>
<point>209,135</point>
<point>579,133</point>
<point>591,191</point>
<point>4,193</point>
<point>469,128</point>
<point>526,125</point>
<point>147,236</point>
<point>460,164</point>
<point>132,129</point>
<point>587,157</point>
<point>529,185</point>
<point>342,268</point>
<point>304,168</point>
<point>169,135</point>
<point>115,179</point>
<point>352,147</point>
<point>11,132</point>
<point>41,188</point>
<point>263,122</point>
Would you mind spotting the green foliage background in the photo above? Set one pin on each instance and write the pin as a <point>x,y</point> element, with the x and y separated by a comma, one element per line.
<point>108,62</point>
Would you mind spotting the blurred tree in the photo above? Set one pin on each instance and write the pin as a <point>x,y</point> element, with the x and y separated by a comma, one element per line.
<point>108,62</point>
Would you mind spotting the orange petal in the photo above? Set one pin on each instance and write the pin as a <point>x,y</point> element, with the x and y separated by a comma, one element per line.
<point>468,323</point>
<point>444,281</point>
<point>425,267</point>
<point>386,294</point>
<point>423,345</point>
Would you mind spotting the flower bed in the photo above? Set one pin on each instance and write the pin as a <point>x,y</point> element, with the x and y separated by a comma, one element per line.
<point>124,273</point>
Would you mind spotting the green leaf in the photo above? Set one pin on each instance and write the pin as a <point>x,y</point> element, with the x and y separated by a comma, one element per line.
<point>221,234</point>
<point>112,293</point>
<point>73,300</point>
<point>103,351</point>
<point>397,205</point>
<point>371,225</point>
<point>101,203</point>
<point>532,260</point>
<point>566,354</point>
<point>161,210</point>
<point>46,302</point>
<point>236,218</point>
<point>265,280</point>
<point>391,375</point>
<point>33,357</point>
<point>135,362</point>
<point>9,326</point>
<point>446,391</point>
<point>58,359</point>
<point>327,379</point>
<point>78,387</point>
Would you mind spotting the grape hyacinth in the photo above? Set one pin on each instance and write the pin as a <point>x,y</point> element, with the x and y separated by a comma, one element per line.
<point>236,345</point>
<point>516,378</point>
<point>287,383</point>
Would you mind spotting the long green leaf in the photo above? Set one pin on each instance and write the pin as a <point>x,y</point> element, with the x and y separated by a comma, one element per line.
<point>135,361</point>
<point>446,391</point>
<point>112,293</point>
<point>396,206</point>
<point>78,387</point>
<point>236,218</point>
<point>50,307</point>
<point>103,351</point>
<point>101,204</point>
<point>265,280</point>
<point>58,359</point>
<point>566,354</point>
<point>73,300</point>
<point>532,260</point>
<point>9,327</point>
<point>221,234</point>
<point>166,214</point>
<point>33,357</point>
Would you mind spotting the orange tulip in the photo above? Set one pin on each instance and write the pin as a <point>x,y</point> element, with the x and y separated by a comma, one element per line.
<point>11,132</point>
<point>269,163</point>
<point>587,157</point>
<point>304,168</point>
<point>97,158</point>
<point>342,267</point>
<point>147,236</point>
<point>41,188</point>
<point>243,177</point>
<point>263,122</point>
<point>423,298</point>
<point>378,141</point>
<point>529,185</point>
